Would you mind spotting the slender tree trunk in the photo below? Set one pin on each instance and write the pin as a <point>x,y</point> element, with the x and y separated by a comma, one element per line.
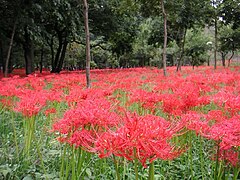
<point>223,58</point>
<point>165,40</point>
<point>62,56</point>
<point>229,60</point>
<point>58,54</point>
<point>51,43</point>
<point>41,61</point>
<point>216,41</point>
<point>208,61</point>
<point>52,52</point>
<point>10,49</point>
<point>182,50</point>
<point>28,52</point>
<point>88,56</point>
<point>1,57</point>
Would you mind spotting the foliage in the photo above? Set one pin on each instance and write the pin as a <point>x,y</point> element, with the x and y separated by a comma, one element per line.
<point>231,13</point>
<point>226,39</point>
<point>196,47</point>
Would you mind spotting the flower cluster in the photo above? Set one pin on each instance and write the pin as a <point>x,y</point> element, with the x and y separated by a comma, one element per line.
<point>104,119</point>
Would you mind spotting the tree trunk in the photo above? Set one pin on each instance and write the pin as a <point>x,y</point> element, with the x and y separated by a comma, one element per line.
<point>88,56</point>
<point>52,52</point>
<point>1,57</point>
<point>216,41</point>
<point>165,40</point>
<point>58,54</point>
<point>223,58</point>
<point>28,55</point>
<point>62,56</point>
<point>41,61</point>
<point>10,49</point>
<point>28,52</point>
<point>208,61</point>
<point>229,60</point>
<point>182,49</point>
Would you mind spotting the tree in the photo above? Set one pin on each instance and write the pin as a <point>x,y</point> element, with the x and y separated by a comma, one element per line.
<point>226,43</point>
<point>196,47</point>
<point>216,6</point>
<point>154,10</point>
<point>62,22</point>
<point>230,12</point>
<point>27,33</point>
<point>182,15</point>
<point>185,15</point>
<point>10,14</point>
<point>126,29</point>
<point>88,56</point>
<point>230,32</point>
<point>9,49</point>
<point>165,39</point>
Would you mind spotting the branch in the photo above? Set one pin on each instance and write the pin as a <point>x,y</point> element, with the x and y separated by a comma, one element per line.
<point>92,45</point>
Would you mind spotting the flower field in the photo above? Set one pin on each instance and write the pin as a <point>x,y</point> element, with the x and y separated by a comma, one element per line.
<point>132,124</point>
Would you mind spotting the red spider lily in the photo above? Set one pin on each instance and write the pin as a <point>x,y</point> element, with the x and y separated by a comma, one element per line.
<point>172,104</point>
<point>89,115</point>
<point>195,121</point>
<point>227,132</point>
<point>83,138</point>
<point>147,135</point>
<point>30,104</point>
<point>78,94</point>
<point>8,89</point>
<point>230,156</point>
<point>216,116</point>
<point>92,119</point>
<point>233,105</point>
<point>29,107</point>
<point>148,100</point>
<point>7,103</point>
<point>50,111</point>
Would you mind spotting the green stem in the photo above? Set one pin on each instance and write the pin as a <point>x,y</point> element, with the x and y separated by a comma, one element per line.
<point>135,164</point>
<point>116,167</point>
<point>201,157</point>
<point>190,155</point>
<point>41,159</point>
<point>63,154</point>
<point>151,171</point>
<point>29,129</point>
<point>236,171</point>
<point>67,165</point>
<point>80,159</point>
<point>217,164</point>
<point>73,163</point>
<point>15,136</point>
<point>125,168</point>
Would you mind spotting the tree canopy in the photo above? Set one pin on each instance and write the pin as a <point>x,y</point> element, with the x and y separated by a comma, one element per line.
<point>128,33</point>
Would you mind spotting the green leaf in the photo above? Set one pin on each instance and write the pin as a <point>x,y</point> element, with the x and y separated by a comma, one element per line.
<point>5,171</point>
<point>28,177</point>
<point>88,171</point>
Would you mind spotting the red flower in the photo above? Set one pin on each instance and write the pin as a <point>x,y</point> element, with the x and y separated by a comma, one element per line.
<point>92,113</point>
<point>147,135</point>
<point>230,156</point>
<point>50,111</point>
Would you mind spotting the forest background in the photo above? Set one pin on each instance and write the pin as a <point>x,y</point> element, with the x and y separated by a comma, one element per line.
<point>51,34</point>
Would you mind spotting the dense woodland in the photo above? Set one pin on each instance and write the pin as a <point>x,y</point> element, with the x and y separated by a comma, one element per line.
<point>128,33</point>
